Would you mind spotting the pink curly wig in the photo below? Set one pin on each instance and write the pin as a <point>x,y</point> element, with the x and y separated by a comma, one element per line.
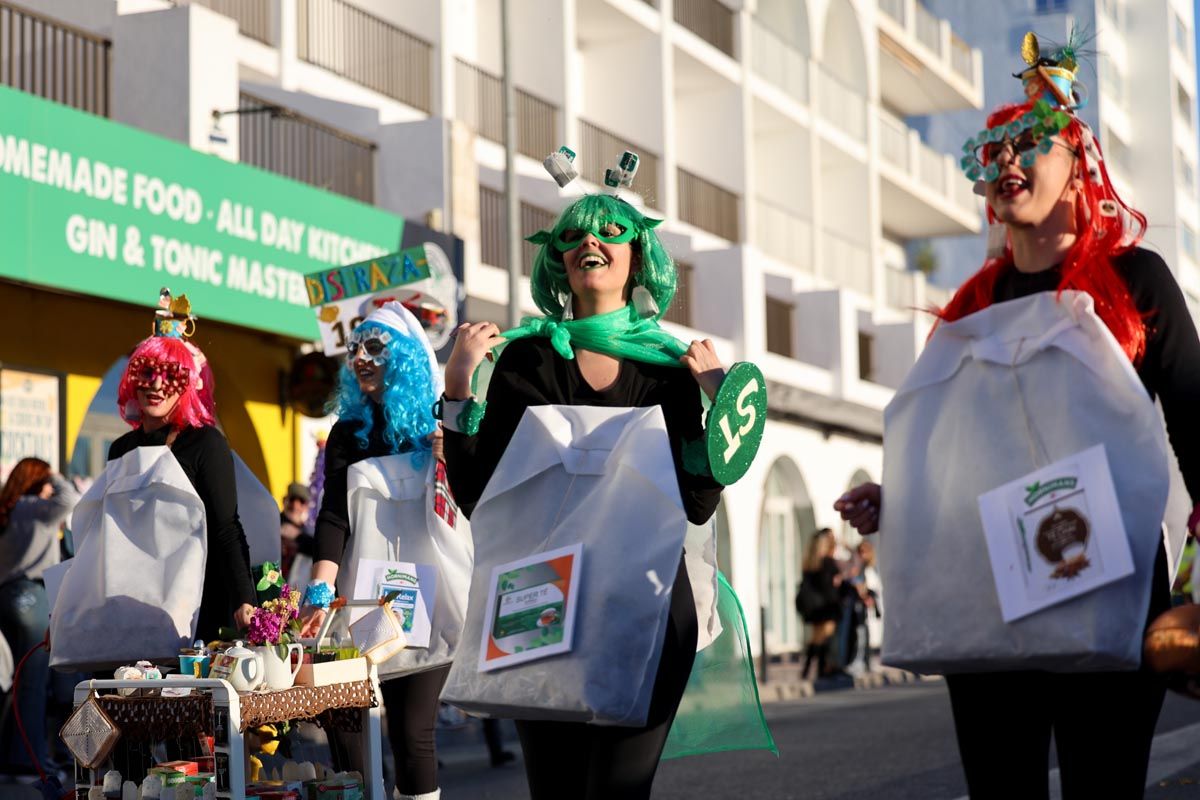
<point>195,408</point>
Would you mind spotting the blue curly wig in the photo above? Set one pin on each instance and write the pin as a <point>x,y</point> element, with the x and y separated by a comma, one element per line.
<point>407,400</point>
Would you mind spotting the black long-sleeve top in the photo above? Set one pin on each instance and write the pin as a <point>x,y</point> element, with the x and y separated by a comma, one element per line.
<point>207,461</point>
<point>341,450</point>
<point>1170,368</point>
<point>530,373</point>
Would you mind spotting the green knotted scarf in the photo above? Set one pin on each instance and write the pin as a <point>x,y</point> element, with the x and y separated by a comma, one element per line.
<point>621,333</point>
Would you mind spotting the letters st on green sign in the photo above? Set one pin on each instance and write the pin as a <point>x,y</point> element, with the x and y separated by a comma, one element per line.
<point>367,277</point>
<point>736,422</point>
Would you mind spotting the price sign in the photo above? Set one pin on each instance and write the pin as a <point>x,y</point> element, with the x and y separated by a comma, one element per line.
<point>736,422</point>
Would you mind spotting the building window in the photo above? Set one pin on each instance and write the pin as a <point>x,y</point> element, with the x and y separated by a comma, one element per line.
<point>1183,37</point>
<point>1187,240</point>
<point>1183,102</point>
<point>1114,11</point>
<point>1112,80</point>
<point>866,356</point>
<point>779,327</point>
<point>493,241</point>
<point>1186,172</point>
<point>680,310</point>
<point>1052,6</point>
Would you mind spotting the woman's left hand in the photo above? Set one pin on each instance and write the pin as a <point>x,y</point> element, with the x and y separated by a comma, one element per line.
<point>701,359</point>
<point>242,616</point>
<point>438,442</point>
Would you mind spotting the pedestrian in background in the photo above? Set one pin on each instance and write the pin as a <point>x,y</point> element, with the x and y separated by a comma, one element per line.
<point>33,506</point>
<point>819,601</point>
<point>296,541</point>
<point>870,591</point>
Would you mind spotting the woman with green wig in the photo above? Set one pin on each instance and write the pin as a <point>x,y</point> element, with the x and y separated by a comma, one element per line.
<point>602,279</point>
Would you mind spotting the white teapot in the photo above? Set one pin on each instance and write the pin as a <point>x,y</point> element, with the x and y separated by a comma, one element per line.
<point>242,667</point>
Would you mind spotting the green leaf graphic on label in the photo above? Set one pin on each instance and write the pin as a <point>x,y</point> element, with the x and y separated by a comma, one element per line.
<point>1037,490</point>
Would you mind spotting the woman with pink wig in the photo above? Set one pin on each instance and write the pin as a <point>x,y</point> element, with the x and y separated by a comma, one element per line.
<point>166,394</point>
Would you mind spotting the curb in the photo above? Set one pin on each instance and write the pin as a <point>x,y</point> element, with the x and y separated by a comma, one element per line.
<point>798,689</point>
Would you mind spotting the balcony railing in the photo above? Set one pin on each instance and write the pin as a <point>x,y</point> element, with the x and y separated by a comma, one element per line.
<point>842,105</point>
<point>358,46</point>
<point>893,140</point>
<point>845,262</point>
<point>900,287</point>
<point>291,144</point>
<point>711,20</point>
<point>894,9</point>
<point>931,168</point>
<point>493,235</point>
<point>603,148</point>
<point>50,59</point>
<point>253,16</point>
<point>961,59</point>
<point>708,206</point>
<point>778,62</point>
<point>929,30</point>
<point>680,310</point>
<point>480,104</point>
<point>782,233</point>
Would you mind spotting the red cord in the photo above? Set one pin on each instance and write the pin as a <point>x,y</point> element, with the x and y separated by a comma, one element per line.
<point>16,708</point>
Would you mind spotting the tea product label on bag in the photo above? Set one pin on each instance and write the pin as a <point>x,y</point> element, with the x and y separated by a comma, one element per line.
<point>1055,534</point>
<point>531,608</point>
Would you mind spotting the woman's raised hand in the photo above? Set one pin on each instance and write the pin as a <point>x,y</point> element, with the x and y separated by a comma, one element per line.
<point>861,507</point>
<point>472,343</point>
<point>701,359</point>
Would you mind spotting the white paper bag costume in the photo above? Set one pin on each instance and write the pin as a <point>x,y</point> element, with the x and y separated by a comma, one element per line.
<point>133,589</point>
<point>956,429</point>
<point>605,478</point>
<point>392,518</point>
<point>259,515</point>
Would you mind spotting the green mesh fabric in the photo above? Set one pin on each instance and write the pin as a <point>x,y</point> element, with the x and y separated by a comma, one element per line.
<point>720,709</point>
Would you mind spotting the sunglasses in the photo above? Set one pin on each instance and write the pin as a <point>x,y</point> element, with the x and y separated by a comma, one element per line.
<point>372,347</point>
<point>1025,146</point>
<point>617,230</point>
<point>173,378</point>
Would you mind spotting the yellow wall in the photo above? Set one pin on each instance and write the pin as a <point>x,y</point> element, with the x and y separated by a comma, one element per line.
<point>84,336</point>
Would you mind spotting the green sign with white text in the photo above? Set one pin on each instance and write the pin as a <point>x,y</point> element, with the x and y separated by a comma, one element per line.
<point>95,207</point>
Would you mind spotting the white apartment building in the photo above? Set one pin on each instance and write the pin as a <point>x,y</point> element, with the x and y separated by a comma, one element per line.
<point>1142,82</point>
<point>772,139</point>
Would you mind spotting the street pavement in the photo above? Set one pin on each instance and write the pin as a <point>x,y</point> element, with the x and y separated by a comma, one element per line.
<point>894,743</point>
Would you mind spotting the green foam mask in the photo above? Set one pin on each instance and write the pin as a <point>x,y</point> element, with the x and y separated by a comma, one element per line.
<point>615,230</point>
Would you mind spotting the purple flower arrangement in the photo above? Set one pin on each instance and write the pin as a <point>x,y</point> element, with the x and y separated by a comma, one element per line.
<point>276,621</point>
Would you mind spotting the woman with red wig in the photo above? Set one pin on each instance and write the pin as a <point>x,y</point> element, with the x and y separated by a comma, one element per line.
<point>1059,227</point>
<point>34,503</point>
<point>166,395</point>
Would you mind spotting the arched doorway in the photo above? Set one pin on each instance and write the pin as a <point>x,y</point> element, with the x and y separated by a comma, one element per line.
<point>787,522</point>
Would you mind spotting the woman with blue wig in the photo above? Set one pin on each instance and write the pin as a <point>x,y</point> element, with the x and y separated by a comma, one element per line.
<point>384,401</point>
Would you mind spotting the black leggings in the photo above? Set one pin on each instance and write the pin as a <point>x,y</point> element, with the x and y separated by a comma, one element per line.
<point>1103,724</point>
<point>412,705</point>
<point>590,762</point>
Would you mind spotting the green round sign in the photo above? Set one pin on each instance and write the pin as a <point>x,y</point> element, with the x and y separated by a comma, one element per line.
<point>736,422</point>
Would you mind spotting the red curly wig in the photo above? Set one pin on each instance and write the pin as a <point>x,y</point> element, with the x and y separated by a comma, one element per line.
<point>195,408</point>
<point>1088,266</point>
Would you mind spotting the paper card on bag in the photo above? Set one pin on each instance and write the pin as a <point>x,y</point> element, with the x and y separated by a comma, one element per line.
<point>530,612</point>
<point>1055,534</point>
<point>416,585</point>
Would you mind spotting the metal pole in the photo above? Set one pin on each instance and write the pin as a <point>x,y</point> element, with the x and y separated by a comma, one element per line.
<point>512,204</point>
<point>762,644</point>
